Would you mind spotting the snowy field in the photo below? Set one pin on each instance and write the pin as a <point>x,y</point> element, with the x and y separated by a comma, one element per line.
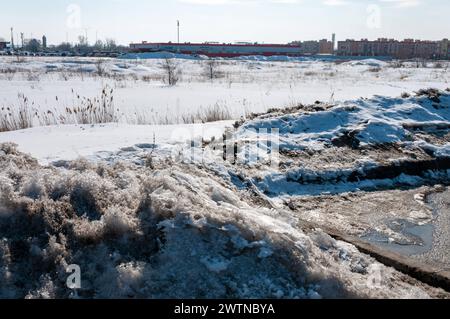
<point>159,211</point>
<point>229,89</point>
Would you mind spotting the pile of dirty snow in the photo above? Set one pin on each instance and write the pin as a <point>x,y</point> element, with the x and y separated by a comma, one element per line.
<point>167,231</point>
<point>365,144</point>
<point>375,121</point>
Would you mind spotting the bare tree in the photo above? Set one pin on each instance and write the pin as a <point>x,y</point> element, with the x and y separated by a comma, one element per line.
<point>99,45</point>
<point>83,45</point>
<point>33,46</point>
<point>211,69</point>
<point>111,44</point>
<point>172,72</point>
<point>101,71</point>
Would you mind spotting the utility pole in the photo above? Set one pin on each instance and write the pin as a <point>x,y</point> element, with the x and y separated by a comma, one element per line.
<point>12,38</point>
<point>22,39</point>
<point>178,25</point>
<point>86,33</point>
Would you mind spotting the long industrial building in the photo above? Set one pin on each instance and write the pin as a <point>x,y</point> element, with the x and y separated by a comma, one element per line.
<point>220,50</point>
<point>406,49</point>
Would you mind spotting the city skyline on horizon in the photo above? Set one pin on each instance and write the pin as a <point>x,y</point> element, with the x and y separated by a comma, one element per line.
<point>262,21</point>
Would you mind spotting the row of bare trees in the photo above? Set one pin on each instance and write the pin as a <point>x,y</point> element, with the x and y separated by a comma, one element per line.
<point>173,72</point>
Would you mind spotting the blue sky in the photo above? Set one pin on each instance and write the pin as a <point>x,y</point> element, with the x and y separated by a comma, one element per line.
<point>276,21</point>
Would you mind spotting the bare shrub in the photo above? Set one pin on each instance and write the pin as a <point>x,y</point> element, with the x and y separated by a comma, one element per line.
<point>9,73</point>
<point>397,64</point>
<point>146,78</point>
<point>134,77</point>
<point>421,63</point>
<point>431,93</point>
<point>33,76</point>
<point>375,70</point>
<point>64,76</point>
<point>100,68</point>
<point>150,77</point>
<point>405,95</point>
<point>438,65</point>
<point>20,59</point>
<point>211,114</point>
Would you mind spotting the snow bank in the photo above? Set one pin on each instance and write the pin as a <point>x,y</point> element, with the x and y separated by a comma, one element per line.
<point>367,62</point>
<point>379,120</point>
<point>172,232</point>
<point>68,142</point>
<point>416,126</point>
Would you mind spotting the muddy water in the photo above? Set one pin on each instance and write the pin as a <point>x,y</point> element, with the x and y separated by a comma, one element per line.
<point>428,243</point>
<point>419,238</point>
<point>439,255</point>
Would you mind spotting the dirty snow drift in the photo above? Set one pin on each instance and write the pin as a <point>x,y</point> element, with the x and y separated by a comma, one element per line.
<point>174,231</point>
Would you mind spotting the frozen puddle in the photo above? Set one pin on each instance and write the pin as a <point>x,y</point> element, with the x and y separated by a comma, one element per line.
<point>418,238</point>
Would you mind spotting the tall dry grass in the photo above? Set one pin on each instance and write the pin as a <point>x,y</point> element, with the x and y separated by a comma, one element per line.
<point>17,118</point>
<point>100,110</point>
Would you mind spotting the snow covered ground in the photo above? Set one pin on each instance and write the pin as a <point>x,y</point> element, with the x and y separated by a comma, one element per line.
<point>239,86</point>
<point>69,142</point>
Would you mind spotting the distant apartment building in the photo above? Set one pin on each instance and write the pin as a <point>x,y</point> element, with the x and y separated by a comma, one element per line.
<point>406,49</point>
<point>326,47</point>
<point>315,47</point>
<point>444,48</point>
<point>310,47</point>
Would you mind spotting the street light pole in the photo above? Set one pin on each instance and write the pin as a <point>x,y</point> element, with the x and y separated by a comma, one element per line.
<point>178,25</point>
